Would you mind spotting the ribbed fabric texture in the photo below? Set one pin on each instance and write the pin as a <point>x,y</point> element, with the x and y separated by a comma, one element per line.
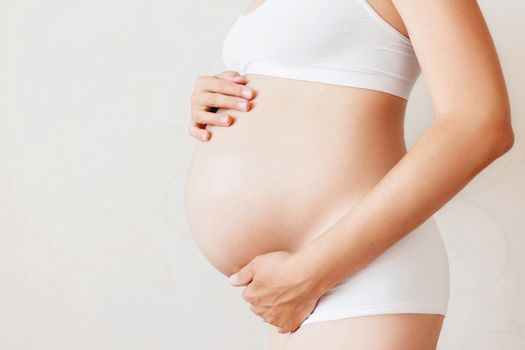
<point>342,42</point>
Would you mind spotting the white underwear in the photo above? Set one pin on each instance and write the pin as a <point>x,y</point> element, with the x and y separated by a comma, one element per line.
<point>412,276</point>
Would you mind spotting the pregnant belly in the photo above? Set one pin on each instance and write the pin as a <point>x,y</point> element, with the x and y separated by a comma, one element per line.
<point>281,175</point>
<point>240,206</point>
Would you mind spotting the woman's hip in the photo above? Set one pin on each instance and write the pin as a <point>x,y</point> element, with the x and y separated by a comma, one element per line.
<point>412,276</point>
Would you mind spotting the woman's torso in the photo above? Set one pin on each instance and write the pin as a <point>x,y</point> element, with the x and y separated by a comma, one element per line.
<point>284,171</point>
<point>303,154</point>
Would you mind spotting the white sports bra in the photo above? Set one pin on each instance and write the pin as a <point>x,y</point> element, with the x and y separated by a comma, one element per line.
<point>342,42</point>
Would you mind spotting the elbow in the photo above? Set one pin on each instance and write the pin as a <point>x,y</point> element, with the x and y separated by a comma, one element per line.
<point>506,142</point>
<point>500,135</point>
<point>488,128</point>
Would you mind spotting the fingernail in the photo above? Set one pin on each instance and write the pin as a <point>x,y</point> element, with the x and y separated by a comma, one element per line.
<point>203,135</point>
<point>233,278</point>
<point>246,92</point>
<point>243,105</point>
<point>224,119</point>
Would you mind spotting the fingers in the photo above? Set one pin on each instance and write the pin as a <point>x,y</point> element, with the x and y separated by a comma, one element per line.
<point>232,76</point>
<point>225,90</point>
<point>198,132</point>
<point>213,99</point>
<point>248,295</point>
<point>211,91</point>
<point>231,86</point>
<point>205,117</point>
<point>269,319</point>
<point>255,313</point>
<point>199,120</point>
<point>245,275</point>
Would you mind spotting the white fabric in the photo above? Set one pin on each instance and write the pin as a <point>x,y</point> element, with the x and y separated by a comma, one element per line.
<point>346,42</point>
<point>342,42</point>
<point>412,276</point>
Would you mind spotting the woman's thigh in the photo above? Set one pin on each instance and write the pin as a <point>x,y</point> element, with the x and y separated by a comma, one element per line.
<point>400,331</point>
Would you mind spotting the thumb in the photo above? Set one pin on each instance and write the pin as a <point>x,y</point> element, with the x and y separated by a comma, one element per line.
<point>243,277</point>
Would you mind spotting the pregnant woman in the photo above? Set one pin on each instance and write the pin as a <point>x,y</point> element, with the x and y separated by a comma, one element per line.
<point>302,189</point>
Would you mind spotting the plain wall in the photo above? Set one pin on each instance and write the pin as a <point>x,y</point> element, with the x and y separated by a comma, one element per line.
<point>95,252</point>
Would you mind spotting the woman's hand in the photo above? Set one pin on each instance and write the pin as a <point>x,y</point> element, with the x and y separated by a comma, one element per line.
<point>224,90</point>
<point>281,289</point>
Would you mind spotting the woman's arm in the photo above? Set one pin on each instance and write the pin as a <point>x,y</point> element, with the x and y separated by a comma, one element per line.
<point>472,129</point>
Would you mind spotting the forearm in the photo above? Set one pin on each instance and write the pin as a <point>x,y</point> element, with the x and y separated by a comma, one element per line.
<point>439,165</point>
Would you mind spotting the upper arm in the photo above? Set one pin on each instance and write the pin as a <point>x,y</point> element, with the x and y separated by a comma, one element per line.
<point>457,56</point>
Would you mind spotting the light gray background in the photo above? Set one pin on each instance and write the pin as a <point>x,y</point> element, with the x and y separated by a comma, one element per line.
<point>95,252</point>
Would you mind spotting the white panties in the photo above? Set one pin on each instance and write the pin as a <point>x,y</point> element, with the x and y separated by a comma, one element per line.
<point>411,276</point>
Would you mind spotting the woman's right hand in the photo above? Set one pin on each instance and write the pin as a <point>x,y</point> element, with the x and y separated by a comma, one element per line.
<point>224,90</point>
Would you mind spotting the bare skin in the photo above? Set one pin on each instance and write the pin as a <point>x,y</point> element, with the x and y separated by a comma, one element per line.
<point>283,171</point>
<point>374,332</point>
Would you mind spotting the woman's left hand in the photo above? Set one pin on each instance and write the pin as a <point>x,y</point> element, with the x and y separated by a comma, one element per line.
<point>281,290</point>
